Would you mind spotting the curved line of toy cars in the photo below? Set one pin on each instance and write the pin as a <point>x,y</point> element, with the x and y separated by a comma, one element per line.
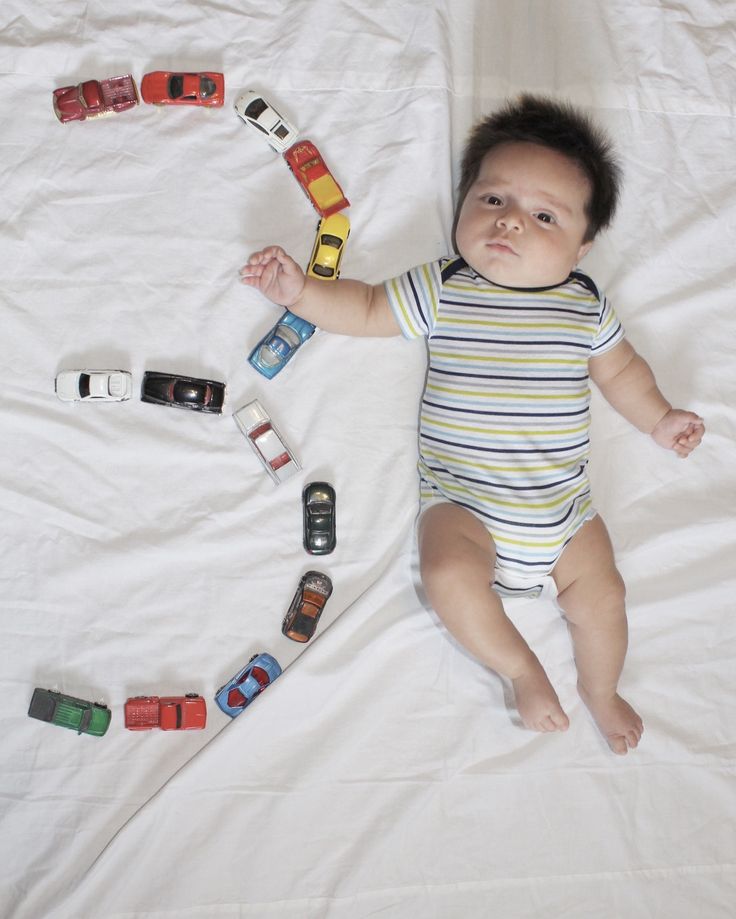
<point>306,164</point>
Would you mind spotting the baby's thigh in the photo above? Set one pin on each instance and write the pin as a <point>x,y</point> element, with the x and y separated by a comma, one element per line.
<point>451,536</point>
<point>587,567</point>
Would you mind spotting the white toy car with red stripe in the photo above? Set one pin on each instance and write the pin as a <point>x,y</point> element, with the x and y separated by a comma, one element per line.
<point>271,449</point>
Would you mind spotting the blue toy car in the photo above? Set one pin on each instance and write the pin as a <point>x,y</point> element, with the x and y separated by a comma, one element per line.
<point>237,694</point>
<point>275,350</point>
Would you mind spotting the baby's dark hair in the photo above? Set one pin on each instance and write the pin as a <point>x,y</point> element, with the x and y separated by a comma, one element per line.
<point>559,126</point>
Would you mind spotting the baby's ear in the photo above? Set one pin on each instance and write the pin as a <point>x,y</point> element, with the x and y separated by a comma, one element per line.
<point>584,250</point>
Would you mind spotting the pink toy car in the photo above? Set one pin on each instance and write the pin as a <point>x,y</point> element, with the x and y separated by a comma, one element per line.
<point>171,713</point>
<point>94,98</point>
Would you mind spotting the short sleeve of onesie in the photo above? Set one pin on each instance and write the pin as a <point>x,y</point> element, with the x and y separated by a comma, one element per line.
<point>610,331</point>
<point>415,297</point>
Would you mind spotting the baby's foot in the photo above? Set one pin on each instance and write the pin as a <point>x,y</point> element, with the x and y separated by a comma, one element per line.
<point>537,702</point>
<point>616,719</point>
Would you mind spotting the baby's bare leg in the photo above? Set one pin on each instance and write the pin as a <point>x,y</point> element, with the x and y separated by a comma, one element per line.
<point>591,594</point>
<point>457,559</point>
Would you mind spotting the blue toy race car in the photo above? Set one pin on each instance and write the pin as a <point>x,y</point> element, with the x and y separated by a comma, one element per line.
<point>237,694</point>
<point>275,350</point>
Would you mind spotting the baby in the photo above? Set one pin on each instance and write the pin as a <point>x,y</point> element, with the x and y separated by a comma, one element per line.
<point>514,334</point>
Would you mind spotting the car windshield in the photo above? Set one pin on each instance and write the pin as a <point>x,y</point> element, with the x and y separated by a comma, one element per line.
<point>267,357</point>
<point>329,240</point>
<point>319,517</point>
<point>191,392</point>
<point>84,385</point>
<point>281,131</point>
<point>279,346</point>
<point>323,270</point>
<point>304,621</point>
<point>176,86</point>
<point>256,108</point>
<point>207,87</point>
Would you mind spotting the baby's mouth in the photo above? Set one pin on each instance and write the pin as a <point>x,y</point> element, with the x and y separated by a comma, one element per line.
<point>501,245</point>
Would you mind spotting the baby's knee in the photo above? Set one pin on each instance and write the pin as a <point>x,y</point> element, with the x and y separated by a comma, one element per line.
<point>596,598</point>
<point>613,591</point>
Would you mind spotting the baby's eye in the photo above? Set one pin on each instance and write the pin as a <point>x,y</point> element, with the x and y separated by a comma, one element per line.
<point>494,200</point>
<point>544,217</point>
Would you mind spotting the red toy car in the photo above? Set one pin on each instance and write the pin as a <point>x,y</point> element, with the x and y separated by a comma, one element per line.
<point>306,162</point>
<point>94,98</point>
<point>172,713</point>
<point>164,88</point>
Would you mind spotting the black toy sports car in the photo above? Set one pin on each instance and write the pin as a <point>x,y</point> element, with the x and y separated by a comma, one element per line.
<point>183,392</point>
<point>318,500</point>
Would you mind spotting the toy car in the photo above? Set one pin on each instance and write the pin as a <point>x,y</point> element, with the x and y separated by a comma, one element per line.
<point>270,448</point>
<point>69,712</point>
<point>171,713</point>
<point>93,385</point>
<point>318,504</point>
<point>306,162</point>
<point>253,109</point>
<point>332,234</point>
<point>94,98</point>
<point>183,392</point>
<point>277,347</point>
<point>164,88</point>
<point>309,600</point>
<point>237,694</point>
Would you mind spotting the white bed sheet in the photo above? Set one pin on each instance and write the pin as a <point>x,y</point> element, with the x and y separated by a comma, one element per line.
<point>145,551</point>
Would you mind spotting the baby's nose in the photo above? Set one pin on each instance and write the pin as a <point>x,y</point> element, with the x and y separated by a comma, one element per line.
<point>510,219</point>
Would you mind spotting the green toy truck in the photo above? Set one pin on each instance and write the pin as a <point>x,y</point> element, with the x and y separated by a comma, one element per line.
<point>68,712</point>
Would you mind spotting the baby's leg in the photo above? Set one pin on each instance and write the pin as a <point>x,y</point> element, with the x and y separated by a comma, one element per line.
<point>457,559</point>
<point>591,594</point>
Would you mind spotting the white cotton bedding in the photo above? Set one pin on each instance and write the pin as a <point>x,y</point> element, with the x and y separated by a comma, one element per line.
<point>144,550</point>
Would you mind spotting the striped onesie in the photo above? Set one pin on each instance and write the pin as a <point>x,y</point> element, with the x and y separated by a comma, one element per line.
<point>506,405</point>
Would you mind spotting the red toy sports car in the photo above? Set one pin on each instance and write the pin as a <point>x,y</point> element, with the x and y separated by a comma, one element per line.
<point>164,88</point>
<point>306,162</point>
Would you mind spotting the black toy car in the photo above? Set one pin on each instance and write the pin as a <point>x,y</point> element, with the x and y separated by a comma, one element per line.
<point>318,500</point>
<point>183,392</point>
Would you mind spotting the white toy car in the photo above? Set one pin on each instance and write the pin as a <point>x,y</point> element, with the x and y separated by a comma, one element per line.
<point>270,447</point>
<point>93,385</point>
<point>254,110</point>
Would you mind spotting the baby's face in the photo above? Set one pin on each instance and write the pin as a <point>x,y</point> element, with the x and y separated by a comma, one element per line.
<point>523,220</point>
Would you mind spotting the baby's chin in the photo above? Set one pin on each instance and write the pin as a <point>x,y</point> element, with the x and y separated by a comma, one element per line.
<point>503,276</point>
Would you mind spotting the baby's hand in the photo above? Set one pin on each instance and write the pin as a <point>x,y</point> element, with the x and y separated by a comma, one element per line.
<point>275,274</point>
<point>679,431</point>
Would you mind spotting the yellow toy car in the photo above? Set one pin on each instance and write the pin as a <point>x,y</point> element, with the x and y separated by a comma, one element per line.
<point>332,234</point>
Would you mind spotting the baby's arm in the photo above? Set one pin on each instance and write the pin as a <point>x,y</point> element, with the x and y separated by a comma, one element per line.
<point>627,382</point>
<point>345,307</point>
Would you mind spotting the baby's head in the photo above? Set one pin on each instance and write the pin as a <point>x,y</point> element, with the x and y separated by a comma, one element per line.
<point>538,182</point>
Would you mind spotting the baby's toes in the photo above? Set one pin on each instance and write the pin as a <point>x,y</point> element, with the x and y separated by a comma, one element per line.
<point>618,743</point>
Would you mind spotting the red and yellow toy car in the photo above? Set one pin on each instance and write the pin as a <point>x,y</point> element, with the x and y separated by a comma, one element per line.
<point>164,88</point>
<point>306,162</point>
